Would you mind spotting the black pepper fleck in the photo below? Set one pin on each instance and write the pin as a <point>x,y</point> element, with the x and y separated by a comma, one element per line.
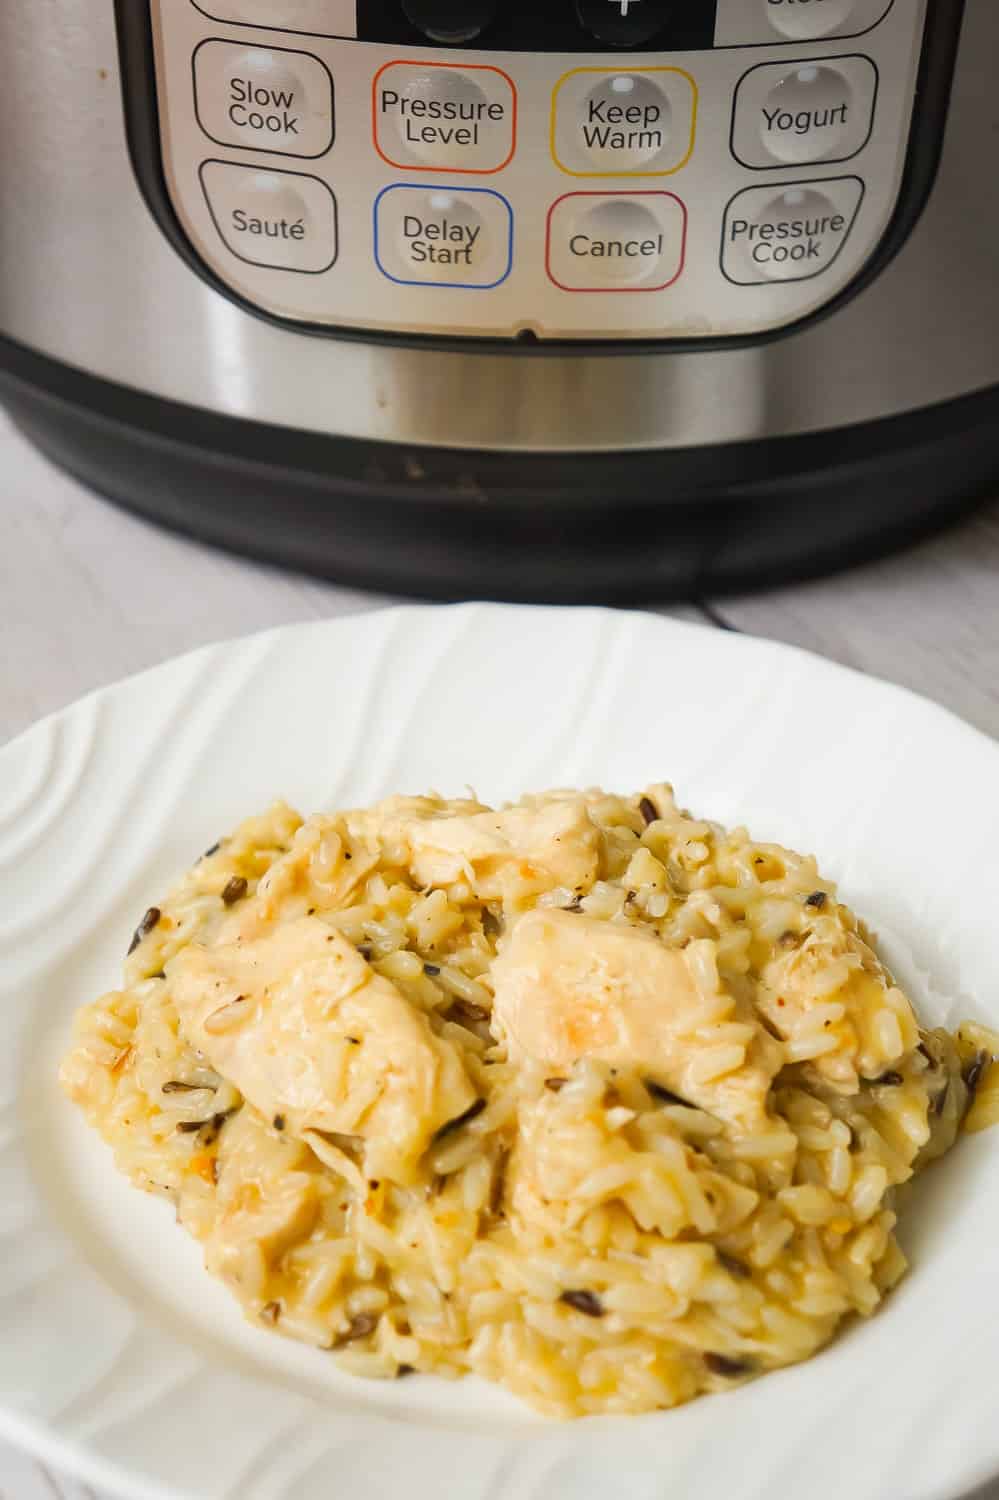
<point>891,1079</point>
<point>816,900</point>
<point>555,1084</point>
<point>431,970</point>
<point>279,1122</point>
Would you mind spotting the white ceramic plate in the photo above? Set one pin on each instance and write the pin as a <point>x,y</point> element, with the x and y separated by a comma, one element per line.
<point>122,1361</point>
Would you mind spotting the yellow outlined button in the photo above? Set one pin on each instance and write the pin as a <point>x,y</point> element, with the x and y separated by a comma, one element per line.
<point>623,122</point>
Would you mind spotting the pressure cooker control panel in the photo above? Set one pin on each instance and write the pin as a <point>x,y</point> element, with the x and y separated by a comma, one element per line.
<point>564,169</point>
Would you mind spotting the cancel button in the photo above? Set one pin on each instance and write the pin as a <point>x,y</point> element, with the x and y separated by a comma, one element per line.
<point>616,241</point>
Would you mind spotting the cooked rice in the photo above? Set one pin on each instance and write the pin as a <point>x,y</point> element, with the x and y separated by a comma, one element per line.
<point>591,1241</point>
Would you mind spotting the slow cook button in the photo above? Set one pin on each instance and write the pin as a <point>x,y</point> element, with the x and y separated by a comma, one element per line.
<point>264,98</point>
<point>819,110</point>
<point>616,242</point>
<point>445,117</point>
<point>430,236</point>
<point>284,220</point>
<point>791,234</point>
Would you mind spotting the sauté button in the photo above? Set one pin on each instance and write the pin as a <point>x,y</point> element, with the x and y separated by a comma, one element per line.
<point>285,220</point>
<point>624,23</point>
<point>635,122</point>
<point>792,234</point>
<point>616,242</point>
<point>445,117</point>
<point>323,17</point>
<point>451,21</point>
<point>264,98</point>
<point>809,110</point>
<point>431,236</point>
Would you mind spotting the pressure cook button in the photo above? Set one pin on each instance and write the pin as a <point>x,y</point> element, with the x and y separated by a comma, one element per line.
<point>264,98</point>
<point>284,220</point>
<point>625,23</point>
<point>430,236</point>
<point>446,117</point>
<point>451,21</point>
<point>812,110</point>
<point>791,234</point>
<point>616,242</point>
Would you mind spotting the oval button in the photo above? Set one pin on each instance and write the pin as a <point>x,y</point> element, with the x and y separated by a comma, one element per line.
<point>264,98</point>
<point>807,115</point>
<point>625,122</point>
<point>445,117</point>
<point>443,237</point>
<point>616,242</point>
<point>804,19</point>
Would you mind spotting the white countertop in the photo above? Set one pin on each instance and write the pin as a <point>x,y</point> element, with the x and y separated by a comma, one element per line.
<point>89,594</point>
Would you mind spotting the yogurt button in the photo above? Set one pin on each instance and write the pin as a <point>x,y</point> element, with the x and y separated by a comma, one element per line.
<point>807,115</point>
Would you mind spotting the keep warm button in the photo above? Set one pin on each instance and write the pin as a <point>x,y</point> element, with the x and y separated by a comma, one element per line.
<point>616,242</point>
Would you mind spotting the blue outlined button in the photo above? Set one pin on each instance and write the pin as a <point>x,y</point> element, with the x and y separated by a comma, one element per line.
<point>430,235</point>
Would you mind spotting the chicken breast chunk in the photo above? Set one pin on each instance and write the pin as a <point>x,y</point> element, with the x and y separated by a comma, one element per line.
<point>307,1031</point>
<point>570,986</point>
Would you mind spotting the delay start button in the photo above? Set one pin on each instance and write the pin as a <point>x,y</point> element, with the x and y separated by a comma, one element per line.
<point>264,98</point>
<point>616,242</point>
<point>791,234</point>
<point>284,220</point>
<point>446,117</point>
<point>431,236</point>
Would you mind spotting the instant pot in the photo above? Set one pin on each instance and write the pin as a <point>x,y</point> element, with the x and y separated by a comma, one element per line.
<point>556,299</point>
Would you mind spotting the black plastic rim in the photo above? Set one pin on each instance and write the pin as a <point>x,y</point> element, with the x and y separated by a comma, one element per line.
<point>618,527</point>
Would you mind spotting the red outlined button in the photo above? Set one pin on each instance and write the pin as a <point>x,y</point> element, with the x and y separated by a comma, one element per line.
<point>616,241</point>
<point>444,117</point>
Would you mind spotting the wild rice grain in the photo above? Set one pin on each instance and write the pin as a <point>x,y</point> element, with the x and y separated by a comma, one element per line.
<point>648,810</point>
<point>720,1364</point>
<point>584,1302</point>
<point>235,890</point>
<point>145,927</point>
<point>471,1113</point>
